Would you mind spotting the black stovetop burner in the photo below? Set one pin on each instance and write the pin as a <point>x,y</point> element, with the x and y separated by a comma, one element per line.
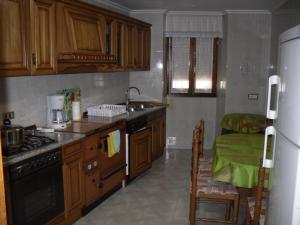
<point>32,141</point>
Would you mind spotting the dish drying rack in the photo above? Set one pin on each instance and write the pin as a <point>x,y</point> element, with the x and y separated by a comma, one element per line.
<point>106,110</point>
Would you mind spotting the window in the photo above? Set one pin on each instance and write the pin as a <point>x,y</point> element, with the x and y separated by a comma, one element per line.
<point>192,66</point>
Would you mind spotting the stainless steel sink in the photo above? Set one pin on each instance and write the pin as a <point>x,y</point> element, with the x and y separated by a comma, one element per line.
<point>142,105</point>
<point>138,106</point>
<point>135,108</point>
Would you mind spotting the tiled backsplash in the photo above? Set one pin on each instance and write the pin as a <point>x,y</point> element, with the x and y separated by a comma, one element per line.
<point>26,96</point>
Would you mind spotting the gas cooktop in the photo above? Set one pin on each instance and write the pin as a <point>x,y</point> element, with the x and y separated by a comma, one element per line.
<point>32,140</point>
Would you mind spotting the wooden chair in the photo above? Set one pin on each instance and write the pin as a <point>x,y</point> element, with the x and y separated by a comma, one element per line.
<point>205,189</point>
<point>256,206</point>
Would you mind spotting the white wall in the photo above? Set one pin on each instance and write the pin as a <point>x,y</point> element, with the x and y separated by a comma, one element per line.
<point>26,96</point>
<point>245,43</point>
<point>247,61</point>
<point>182,116</point>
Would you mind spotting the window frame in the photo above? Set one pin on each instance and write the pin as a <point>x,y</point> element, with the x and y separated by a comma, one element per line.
<point>192,69</point>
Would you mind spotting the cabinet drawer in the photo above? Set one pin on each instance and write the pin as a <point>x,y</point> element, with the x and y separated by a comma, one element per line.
<point>71,149</point>
<point>111,182</point>
<point>91,145</point>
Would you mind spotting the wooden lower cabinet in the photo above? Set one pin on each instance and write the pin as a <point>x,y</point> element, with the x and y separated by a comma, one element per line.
<point>140,152</point>
<point>73,182</point>
<point>102,173</point>
<point>156,133</point>
<point>158,124</point>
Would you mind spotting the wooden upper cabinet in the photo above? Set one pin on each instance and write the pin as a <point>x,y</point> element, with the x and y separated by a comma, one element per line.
<point>116,43</point>
<point>129,46</point>
<point>146,48</point>
<point>14,42</point>
<point>137,47</point>
<point>84,39</point>
<point>43,58</point>
<point>86,30</point>
<point>40,37</point>
<point>142,47</point>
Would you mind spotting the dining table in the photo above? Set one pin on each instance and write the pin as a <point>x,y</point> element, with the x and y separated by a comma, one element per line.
<point>236,158</point>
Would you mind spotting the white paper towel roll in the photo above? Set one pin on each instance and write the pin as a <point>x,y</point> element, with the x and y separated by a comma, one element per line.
<point>76,110</point>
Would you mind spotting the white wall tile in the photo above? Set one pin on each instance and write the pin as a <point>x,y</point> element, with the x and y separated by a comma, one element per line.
<point>26,96</point>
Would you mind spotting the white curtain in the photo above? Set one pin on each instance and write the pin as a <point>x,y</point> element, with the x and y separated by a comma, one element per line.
<point>193,25</point>
<point>180,65</point>
<point>204,65</point>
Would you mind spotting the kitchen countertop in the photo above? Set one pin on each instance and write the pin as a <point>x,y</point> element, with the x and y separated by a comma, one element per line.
<point>92,124</point>
<point>61,138</point>
<point>77,131</point>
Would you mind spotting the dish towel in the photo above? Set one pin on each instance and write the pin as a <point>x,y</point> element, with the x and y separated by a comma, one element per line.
<point>113,143</point>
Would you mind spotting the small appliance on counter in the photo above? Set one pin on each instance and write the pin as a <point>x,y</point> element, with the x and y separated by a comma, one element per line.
<point>56,114</point>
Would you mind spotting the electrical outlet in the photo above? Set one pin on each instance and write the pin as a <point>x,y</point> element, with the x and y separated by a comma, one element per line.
<point>9,115</point>
<point>253,97</point>
<point>171,141</point>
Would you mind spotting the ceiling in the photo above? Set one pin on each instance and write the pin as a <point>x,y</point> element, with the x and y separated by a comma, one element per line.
<point>201,5</point>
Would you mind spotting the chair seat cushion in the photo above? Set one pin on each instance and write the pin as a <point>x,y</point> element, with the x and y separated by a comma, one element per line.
<point>251,206</point>
<point>206,185</point>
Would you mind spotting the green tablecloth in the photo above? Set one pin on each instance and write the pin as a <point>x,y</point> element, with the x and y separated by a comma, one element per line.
<point>237,158</point>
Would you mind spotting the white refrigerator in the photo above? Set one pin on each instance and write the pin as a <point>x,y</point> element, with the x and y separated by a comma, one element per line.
<point>284,108</point>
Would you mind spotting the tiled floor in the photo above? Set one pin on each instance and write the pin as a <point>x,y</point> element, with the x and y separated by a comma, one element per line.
<point>158,197</point>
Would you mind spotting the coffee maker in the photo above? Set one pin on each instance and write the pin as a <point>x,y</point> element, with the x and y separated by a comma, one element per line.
<point>56,111</point>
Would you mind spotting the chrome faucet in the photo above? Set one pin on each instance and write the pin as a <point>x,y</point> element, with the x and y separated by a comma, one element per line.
<point>127,95</point>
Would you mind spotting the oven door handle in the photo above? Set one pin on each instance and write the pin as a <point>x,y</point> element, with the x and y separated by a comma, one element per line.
<point>105,177</point>
<point>139,130</point>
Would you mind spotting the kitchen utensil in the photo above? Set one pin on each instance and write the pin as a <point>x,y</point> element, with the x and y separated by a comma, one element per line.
<point>12,136</point>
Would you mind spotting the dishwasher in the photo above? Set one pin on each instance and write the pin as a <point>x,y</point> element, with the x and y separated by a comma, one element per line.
<point>138,147</point>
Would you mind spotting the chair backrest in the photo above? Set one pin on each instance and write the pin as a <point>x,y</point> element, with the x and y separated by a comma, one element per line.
<point>261,193</point>
<point>200,140</point>
<point>195,155</point>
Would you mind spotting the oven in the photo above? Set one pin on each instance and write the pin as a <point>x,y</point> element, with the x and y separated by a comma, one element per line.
<point>36,187</point>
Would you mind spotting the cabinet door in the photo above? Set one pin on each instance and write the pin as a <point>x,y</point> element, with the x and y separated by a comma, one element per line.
<point>90,146</point>
<point>146,49</point>
<point>162,134</point>
<point>117,43</point>
<point>155,138</point>
<point>138,47</point>
<point>128,46</point>
<point>14,38</point>
<point>140,152</point>
<point>141,48</point>
<point>109,165</point>
<point>92,187</point>
<point>87,31</point>
<point>73,184</point>
<point>43,37</point>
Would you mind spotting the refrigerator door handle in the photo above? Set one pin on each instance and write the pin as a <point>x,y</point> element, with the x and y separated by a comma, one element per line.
<point>273,80</point>
<point>270,131</point>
